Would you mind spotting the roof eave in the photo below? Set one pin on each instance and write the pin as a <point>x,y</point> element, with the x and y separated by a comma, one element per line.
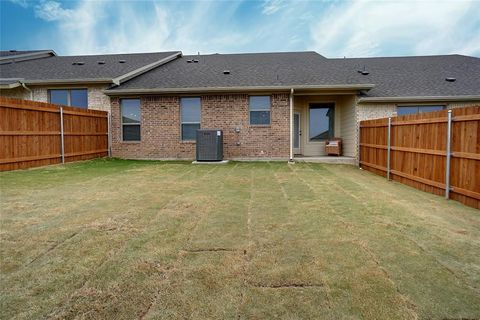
<point>419,99</point>
<point>347,87</point>
<point>68,81</point>
<point>8,86</point>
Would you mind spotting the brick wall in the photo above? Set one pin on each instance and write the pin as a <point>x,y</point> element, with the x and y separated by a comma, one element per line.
<point>161,136</point>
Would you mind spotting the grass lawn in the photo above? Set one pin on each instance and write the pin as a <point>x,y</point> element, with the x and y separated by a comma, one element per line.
<point>170,240</point>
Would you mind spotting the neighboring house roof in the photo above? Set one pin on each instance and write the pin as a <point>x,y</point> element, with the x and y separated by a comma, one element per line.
<point>15,55</point>
<point>420,77</point>
<point>111,68</point>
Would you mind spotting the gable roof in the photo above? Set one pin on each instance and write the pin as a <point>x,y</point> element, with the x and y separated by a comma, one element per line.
<point>387,77</point>
<point>230,71</point>
<point>111,68</point>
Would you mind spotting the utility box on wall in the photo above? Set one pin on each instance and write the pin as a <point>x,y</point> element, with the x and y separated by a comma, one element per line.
<point>209,145</point>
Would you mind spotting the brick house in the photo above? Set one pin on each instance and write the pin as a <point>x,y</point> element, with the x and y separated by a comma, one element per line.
<point>269,105</point>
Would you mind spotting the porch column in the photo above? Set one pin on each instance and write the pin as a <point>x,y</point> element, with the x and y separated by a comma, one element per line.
<point>291,125</point>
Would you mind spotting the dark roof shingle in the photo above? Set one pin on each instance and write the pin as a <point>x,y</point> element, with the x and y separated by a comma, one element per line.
<point>392,77</point>
<point>63,68</point>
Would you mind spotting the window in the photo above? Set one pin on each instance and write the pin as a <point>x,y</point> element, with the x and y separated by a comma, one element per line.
<point>403,110</point>
<point>321,121</point>
<point>190,113</point>
<point>259,110</point>
<point>130,119</point>
<point>69,97</point>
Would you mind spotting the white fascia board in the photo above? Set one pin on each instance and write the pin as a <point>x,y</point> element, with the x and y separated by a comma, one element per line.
<point>26,56</point>
<point>132,74</point>
<point>238,89</point>
<point>420,99</point>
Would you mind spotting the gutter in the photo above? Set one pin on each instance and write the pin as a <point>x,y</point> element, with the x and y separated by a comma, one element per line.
<point>68,81</point>
<point>28,89</point>
<point>148,67</point>
<point>10,85</point>
<point>420,99</point>
<point>238,89</point>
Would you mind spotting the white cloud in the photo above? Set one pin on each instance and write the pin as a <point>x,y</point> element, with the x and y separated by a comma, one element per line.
<point>22,3</point>
<point>271,6</point>
<point>93,27</point>
<point>367,28</point>
<point>52,11</point>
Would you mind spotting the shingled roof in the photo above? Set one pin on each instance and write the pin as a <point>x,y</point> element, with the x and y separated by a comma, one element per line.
<point>90,68</point>
<point>387,77</point>
<point>391,77</point>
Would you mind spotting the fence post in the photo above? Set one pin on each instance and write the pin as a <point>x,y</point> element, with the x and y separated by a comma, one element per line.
<point>448,154</point>
<point>62,142</point>
<point>109,134</point>
<point>389,137</point>
<point>359,149</point>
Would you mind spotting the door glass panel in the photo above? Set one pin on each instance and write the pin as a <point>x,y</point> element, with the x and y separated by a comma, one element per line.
<point>296,131</point>
<point>321,122</point>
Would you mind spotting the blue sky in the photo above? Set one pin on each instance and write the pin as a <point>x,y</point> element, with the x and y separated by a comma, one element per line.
<point>332,28</point>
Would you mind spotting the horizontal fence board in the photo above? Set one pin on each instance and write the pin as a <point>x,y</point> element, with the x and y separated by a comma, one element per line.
<point>419,151</point>
<point>30,134</point>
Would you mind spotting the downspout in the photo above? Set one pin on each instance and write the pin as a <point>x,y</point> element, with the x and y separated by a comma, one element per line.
<point>28,89</point>
<point>291,126</point>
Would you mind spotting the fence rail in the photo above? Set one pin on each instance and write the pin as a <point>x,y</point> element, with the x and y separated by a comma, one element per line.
<point>427,151</point>
<point>34,134</point>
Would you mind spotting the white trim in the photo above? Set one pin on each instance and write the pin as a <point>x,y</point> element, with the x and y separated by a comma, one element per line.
<point>132,74</point>
<point>420,99</point>
<point>27,56</point>
<point>241,89</point>
<point>10,85</point>
<point>291,124</point>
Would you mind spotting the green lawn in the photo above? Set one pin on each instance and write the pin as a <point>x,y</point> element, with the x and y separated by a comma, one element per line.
<point>170,240</point>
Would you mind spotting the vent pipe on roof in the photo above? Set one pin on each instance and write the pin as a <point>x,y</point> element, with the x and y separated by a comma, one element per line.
<point>101,62</point>
<point>450,79</point>
<point>226,71</point>
<point>121,61</point>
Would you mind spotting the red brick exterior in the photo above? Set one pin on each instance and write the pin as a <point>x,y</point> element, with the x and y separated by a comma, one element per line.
<point>161,134</point>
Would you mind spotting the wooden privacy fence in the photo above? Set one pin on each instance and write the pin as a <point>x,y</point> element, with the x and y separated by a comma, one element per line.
<point>35,134</point>
<point>437,152</point>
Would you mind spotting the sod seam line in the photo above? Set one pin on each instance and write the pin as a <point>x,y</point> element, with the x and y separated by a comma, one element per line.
<point>181,253</point>
<point>403,297</point>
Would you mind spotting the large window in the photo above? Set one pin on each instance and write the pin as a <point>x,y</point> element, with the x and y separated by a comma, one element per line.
<point>259,110</point>
<point>69,97</point>
<point>321,121</point>
<point>130,119</point>
<point>190,113</point>
<point>403,110</point>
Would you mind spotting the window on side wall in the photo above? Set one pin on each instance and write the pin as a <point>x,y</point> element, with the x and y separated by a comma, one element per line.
<point>69,97</point>
<point>190,112</point>
<point>321,121</point>
<point>259,107</point>
<point>131,117</point>
<point>404,110</point>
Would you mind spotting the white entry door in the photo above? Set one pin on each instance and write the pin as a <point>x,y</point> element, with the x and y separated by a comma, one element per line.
<point>297,132</point>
